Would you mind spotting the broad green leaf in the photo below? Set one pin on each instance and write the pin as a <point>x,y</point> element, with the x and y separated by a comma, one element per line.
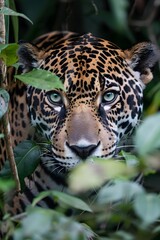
<point>41,196</point>
<point>147,207</point>
<point>72,201</point>
<point>37,217</point>
<point>41,79</point>
<point>10,12</point>
<point>3,46</point>
<point>150,142</point>
<point>4,99</point>
<point>40,224</point>
<point>63,198</point>
<point>27,157</point>
<point>93,174</point>
<point>119,191</point>
<point>8,53</point>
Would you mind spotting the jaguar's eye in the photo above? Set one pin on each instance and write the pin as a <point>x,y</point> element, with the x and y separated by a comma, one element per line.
<point>109,97</point>
<point>55,97</point>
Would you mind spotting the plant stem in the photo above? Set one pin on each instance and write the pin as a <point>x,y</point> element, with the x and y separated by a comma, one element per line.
<point>5,118</point>
<point>10,154</point>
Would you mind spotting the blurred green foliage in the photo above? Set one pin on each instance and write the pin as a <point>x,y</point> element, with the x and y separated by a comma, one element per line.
<point>116,20</point>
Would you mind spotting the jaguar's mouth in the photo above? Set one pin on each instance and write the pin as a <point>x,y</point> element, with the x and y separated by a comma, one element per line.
<point>55,163</point>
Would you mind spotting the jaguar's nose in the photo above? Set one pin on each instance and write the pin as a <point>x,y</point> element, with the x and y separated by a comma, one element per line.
<point>83,152</point>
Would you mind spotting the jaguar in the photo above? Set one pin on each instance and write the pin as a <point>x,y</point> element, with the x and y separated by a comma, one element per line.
<point>101,103</point>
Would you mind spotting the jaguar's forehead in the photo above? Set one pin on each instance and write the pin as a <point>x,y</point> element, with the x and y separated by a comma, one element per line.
<point>84,62</point>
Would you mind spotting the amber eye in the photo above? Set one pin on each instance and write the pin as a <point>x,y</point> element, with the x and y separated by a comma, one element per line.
<point>55,97</point>
<point>109,97</point>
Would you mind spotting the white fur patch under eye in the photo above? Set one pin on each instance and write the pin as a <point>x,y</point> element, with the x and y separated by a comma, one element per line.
<point>58,109</point>
<point>107,107</point>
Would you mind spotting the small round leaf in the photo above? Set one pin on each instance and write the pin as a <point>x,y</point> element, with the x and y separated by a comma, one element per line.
<point>147,207</point>
<point>150,142</point>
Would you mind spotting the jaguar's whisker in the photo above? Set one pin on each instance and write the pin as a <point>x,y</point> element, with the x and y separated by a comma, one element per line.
<point>125,146</point>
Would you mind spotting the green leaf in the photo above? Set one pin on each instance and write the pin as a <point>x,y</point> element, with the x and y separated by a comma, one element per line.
<point>40,224</point>
<point>151,142</point>
<point>14,20</point>
<point>156,229</point>
<point>36,218</point>
<point>131,160</point>
<point>147,207</point>
<point>72,201</point>
<point>123,235</point>
<point>4,100</point>
<point>91,175</point>
<point>63,198</point>
<point>6,185</point>
<point>8,53</point>
<point>41,79</point>
<point>27,157</point>
<point>10,12</point>
<point>119,191</point>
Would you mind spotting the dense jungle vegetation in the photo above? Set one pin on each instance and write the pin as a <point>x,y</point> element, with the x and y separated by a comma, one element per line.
<point>127,207</point>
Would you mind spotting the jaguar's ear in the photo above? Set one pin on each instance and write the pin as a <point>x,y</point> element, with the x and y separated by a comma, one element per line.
<point>142,58</point>
<point>30,56</point>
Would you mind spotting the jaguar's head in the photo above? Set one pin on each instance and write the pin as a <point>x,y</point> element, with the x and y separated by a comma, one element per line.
<point>102,100</point>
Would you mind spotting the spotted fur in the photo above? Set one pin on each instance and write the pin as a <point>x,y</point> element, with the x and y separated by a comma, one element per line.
<point>102,101</point>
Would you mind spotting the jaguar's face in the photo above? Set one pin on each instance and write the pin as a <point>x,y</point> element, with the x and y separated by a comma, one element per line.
<point>101,103</point>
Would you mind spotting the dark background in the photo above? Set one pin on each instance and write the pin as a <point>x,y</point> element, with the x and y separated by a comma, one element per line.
<point>122,21</point>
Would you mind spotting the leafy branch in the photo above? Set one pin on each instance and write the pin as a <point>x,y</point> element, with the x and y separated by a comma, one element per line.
<point>5,118</point>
